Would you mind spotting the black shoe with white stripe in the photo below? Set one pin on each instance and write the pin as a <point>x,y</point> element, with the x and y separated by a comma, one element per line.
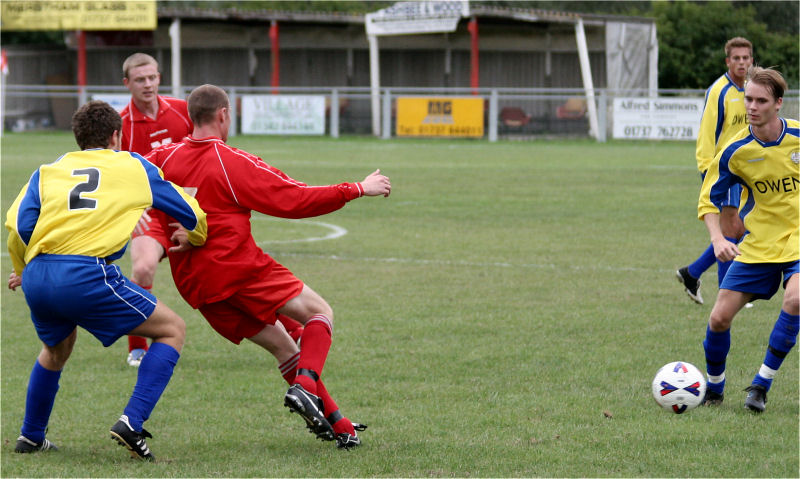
<point>349,441</point>
<point>690,283</point>
<point>123,433</point>
<point>25,445</point>
<point>309,407</point>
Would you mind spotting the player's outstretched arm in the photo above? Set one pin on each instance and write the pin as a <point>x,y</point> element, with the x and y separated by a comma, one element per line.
<point>376,184</point>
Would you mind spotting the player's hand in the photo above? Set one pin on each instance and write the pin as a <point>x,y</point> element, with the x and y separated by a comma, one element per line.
<point>14,281</point>
<point>724,250</point>
<point>143,224</point>
<point>181,239</point>
<point>376,184</point>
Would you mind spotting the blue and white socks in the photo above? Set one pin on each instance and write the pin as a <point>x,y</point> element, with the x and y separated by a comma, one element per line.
<point>781,341</point>
<point>716,346</point>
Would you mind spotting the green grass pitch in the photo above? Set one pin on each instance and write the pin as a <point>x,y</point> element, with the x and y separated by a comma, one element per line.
<point>501,314</point>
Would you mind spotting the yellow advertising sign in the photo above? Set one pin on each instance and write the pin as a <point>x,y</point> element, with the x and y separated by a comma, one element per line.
<point>440,116</point>
<point>78,15</point>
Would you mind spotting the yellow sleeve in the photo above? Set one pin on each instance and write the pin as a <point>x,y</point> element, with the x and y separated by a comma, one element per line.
<point>16,247</point>
<point>200,232</point>
<point>197,236</point>
<point>707,134</point>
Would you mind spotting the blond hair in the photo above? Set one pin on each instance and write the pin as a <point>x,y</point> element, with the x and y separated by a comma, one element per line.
<point>137,60</point>
<point>770,79</point>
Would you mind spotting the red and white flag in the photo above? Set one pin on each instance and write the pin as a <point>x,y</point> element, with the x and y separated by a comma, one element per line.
<point>3,62</point>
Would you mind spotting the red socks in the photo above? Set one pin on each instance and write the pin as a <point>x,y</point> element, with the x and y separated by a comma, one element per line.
<point>316,341</point>
<point>137,342</point>
<point>288,368</point>
<point>294,328</point>
<point>340,423</point>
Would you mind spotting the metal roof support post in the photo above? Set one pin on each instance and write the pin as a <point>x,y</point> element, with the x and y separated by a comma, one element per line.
<point>233,98</point>
<point>586,73</point>
<point>175,45</point>
<point>82,96</point>
<point>602,130</point>
<point>474,70</point>
<point>387,114</point>
<point>493,116</point>
<point>334,113</point>
<point>274,52</point>
<point>4,73</point>
<point>375,84</point>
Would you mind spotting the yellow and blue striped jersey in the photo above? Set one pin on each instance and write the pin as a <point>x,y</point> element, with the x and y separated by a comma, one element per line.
<point>88,203</point>
<point>724,115</point>
<point>770,172</point>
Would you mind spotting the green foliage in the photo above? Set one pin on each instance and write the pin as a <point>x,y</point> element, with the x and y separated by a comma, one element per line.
<point>48,38</point>
<point>633,7</point>
<point>491,314</point>
<point>692,36</point>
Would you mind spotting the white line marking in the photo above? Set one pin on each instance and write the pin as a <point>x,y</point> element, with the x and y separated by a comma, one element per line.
<point>497,264</point>
<point>335,231</point>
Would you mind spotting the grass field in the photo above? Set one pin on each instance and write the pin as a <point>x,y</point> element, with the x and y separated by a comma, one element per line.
<point>490,315</point>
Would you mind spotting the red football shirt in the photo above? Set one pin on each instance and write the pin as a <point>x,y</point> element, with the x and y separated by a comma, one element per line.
<point>229,184</point>
<point>140,133</point>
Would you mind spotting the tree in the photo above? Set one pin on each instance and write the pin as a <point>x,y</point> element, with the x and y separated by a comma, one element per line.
<point>692,36</point>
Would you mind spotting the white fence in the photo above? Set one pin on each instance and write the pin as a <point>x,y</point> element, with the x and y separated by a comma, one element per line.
<point>508,113</point>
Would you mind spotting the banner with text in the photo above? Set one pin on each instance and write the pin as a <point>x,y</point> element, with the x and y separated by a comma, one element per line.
<point>283,114</point>
<point>78,15</point>
<point>428,16</point>
<point>444,116</point>
<point>657,118</point>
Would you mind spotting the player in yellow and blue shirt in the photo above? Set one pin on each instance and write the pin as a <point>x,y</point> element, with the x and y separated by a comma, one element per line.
<point>765,160</point>
<point>72,219</point>
<point>723,117</point>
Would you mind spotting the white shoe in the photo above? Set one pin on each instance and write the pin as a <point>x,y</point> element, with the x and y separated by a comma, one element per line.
<point>135,357</point>
<point>748,305</point>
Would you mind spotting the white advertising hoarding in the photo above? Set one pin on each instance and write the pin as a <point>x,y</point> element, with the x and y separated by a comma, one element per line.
<point>283,114</point>
<point>117,100</point>
<point>657,118</point>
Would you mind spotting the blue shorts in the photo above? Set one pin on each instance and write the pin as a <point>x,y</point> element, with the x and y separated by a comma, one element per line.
<point>760,279</point>
<point>734,197</point>
<point>65,291</point>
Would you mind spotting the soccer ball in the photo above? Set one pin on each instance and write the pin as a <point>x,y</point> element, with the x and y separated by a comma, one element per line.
<point>679,387</point>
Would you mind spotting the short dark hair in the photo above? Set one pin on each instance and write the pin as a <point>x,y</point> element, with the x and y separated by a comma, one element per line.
<point>94,123</point>
<point>203,103</point>
<point>770,79</point>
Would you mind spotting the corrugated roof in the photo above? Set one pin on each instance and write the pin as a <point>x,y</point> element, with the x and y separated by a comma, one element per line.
<point>518,14</point>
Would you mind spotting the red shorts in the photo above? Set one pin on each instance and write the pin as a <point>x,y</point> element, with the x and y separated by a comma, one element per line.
<point>157,221</point>
<point>253,307</point>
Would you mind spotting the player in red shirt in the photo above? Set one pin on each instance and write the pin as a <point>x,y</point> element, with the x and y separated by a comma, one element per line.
<point>149,121</point>
<point>237,287</point>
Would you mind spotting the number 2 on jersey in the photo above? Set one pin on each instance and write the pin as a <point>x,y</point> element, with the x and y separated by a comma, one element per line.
<point>76,202</point>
